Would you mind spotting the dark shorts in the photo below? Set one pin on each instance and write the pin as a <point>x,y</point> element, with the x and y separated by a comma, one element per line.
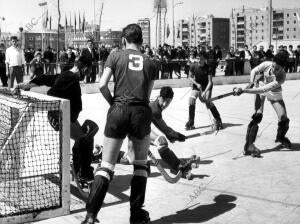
<point>124,119</point>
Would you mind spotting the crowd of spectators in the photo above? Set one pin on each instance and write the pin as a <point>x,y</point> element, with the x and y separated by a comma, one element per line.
<point>172,61</point>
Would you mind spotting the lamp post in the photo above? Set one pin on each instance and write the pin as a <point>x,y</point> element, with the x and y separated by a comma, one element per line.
<point>1,19</point>
<point>173,6</point>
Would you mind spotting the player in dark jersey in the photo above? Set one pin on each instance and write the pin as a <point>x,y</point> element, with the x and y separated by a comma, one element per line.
<point>129,115</point>
<point>160,141</point>
<point>66,85</point>
<point>202,87</point>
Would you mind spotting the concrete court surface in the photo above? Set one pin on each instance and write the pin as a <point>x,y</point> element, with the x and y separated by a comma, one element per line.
<point>227,188</point>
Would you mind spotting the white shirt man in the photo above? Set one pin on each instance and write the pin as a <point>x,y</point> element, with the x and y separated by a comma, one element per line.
<point>15,61</point>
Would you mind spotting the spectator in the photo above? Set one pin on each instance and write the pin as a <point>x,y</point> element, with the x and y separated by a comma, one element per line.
<point>297,55</point>
<point>262,54</point>
<point>246,57</point>
<point>49,61</point>
<point>270,53</point>
<point>15,61</point>
<point>29,55</point>
<point>291,59</point>
<point>230,62</point>
<point>239,63</point>
<point>255,57</point>
<point>103,54</point>
<point>3,75</point>
<point>91,56</point>
<point>37,65</point>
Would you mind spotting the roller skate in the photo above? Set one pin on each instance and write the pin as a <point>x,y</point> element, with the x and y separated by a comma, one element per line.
<point>218,125</point>
<point>189,125</point>
<point>140,216</point>
<point>285,142</point>
<point>252,150</point>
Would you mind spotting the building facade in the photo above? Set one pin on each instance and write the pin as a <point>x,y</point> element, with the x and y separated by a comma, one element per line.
<point>145,25</point>
<point>204,31</point>
<point>41,40</point>
<point>251,26</point>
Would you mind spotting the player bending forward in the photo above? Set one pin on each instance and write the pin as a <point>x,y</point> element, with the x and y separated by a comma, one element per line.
<point>129,115</point>
<point>66,85</point>
<point>202,88</point>
<point>268,85</point>
<point>157,106</point>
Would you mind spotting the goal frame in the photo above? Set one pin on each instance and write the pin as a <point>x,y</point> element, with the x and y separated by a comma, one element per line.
<point>65,168</point>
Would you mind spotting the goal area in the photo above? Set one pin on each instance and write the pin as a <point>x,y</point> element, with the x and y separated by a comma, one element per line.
<point>34,156</point>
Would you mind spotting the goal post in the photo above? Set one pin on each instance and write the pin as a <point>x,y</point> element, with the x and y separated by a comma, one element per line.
<point>34,157</point>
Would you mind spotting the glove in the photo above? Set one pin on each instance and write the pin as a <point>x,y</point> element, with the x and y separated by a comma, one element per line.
<point>176,136</point>
<point>237,91</point>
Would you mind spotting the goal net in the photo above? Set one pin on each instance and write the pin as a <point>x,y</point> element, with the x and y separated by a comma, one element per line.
<point>34,157</point>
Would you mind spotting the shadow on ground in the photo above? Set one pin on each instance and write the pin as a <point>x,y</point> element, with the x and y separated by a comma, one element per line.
<point>279,148</point>
<point>223,203</point>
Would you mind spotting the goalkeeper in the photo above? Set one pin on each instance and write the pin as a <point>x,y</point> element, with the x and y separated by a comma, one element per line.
<point>67,85</point>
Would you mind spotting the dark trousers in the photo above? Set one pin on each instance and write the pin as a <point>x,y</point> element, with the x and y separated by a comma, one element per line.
<point>92,77</point>
<point>15,72</point>
<point>3,76</point>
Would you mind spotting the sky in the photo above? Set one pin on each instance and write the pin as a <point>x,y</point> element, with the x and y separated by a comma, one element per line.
<point>118,13</point>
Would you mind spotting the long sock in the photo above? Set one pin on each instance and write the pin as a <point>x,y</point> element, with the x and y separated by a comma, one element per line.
<point>137,195</point>
<point>97,194</point>
<point>215,113</point>
<point>192,113</point>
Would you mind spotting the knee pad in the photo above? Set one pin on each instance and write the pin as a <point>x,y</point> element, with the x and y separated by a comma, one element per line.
<point>105,170</point>
<point>257,117</point>
<point>192,100</point>
<point>141,169</point>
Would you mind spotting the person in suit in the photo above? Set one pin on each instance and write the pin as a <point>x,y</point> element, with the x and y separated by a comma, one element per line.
<point>91,54</point>
<point>246,57</point>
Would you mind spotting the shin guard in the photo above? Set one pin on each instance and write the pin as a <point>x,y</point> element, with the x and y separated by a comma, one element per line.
<point>252,130</point>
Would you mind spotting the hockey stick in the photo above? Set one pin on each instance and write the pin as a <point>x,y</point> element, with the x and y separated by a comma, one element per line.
<point>220,96</point>
<point>167,177</point>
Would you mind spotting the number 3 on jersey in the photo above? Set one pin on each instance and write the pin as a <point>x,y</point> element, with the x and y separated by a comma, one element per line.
<point>135,62</point>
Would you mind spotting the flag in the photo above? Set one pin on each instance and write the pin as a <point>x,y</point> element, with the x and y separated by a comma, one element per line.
<point>178,34</point>
<point>50,22</point>
<point>66,22</point>
<point>83,22</point>
<point>70,22</point>
<point>79,21</point>
<point>168,30</point>
<point>42,3</point>
<point>75,22</point>
<point>46,20</point>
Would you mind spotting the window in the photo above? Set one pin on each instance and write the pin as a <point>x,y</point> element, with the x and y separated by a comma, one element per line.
<point>294,14</point>
<point>287,36</point>
<point>256,17</point>
<point>262,37</point>
<point>256,38</point>
<point>262,17</point>
<point>287,22</point>
<point>262,24</point>
<point>294,37</point>
<point>287,29</point>
<point>262,30</point>
<point>256,31</point>
<point>233,32</point>
<point>287,15</point>
<point>294,29</point>
<point>294,21</point>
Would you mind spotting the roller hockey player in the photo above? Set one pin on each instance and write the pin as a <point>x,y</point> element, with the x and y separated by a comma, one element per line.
<point>202,87</point>
<point>129,115</point>
<point>267,86</point>
<point>66,85</point>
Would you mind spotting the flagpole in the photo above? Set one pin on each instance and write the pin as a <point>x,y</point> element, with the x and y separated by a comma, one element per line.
<point>57,50</point>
